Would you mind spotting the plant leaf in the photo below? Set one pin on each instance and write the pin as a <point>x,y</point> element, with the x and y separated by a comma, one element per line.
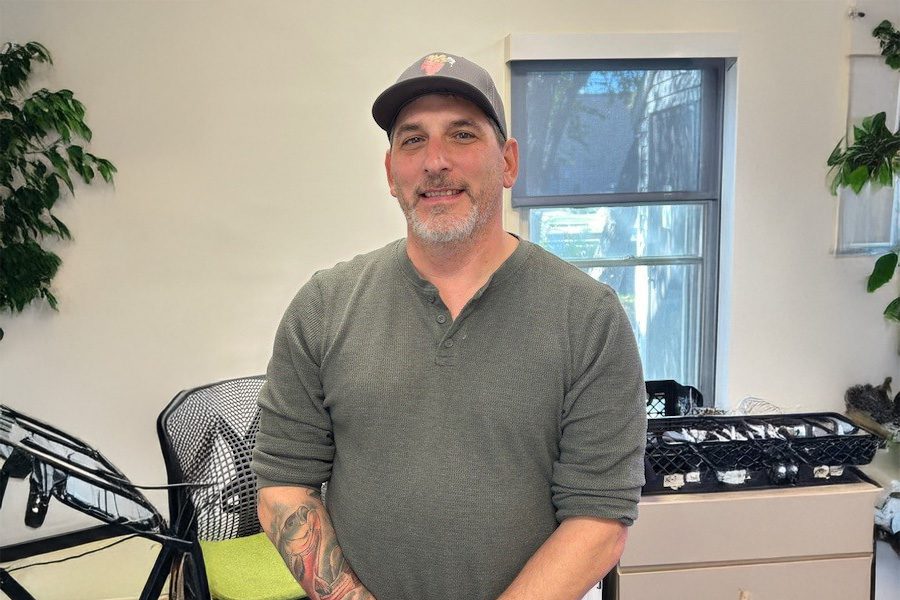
<point>883,271</point>
<point>835,183</point>
<point>835,155</point>
<point>885,27</point>
<point>60,166</point>
<point>857,178</point>
<point>51,191</point>
<point>892,311</point>
<point>105,168</point>
<point>885,174</point>
<point>38,52</point>
<point>889,40</point>
<point>62,229</point>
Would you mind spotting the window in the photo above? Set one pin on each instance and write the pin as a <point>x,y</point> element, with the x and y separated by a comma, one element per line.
<point>869,222</point>
<point>621,175</point>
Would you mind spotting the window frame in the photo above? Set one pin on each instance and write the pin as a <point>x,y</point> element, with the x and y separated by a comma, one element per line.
<point>868,73</point>
<point>709,197</point>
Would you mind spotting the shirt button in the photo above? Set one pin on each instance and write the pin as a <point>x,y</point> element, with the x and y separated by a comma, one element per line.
<point>448,344</point>
<point>442,319</point>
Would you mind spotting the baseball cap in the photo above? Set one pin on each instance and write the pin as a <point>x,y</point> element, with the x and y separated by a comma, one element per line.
<point>440,72</point>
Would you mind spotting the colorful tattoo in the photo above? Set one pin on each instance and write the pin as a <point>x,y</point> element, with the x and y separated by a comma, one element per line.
<point>306,542</point>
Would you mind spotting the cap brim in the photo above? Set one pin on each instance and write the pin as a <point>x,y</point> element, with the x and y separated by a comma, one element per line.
<point>388,105</point>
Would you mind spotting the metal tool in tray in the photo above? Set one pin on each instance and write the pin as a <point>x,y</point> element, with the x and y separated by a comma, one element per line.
<point>718,453</point>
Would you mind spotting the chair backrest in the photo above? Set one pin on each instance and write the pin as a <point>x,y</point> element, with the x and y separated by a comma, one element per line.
<point>207,436</point>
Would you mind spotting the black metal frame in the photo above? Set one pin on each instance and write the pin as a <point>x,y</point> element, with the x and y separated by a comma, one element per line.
<point>179,540</point>
<point>55,543</point>
<point>107,477</point>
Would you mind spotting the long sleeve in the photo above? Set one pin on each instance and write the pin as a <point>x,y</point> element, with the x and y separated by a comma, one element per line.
<point>603,426</point>
<point>295,445</point>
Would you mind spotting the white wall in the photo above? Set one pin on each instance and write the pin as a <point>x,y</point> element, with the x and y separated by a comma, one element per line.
<point>247,160</point>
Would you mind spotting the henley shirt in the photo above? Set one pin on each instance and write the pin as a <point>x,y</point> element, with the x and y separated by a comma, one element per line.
<point>452,448</point>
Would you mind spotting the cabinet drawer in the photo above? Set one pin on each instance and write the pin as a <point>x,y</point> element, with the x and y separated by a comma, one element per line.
<point>824,579</point>
<point>755,525</point>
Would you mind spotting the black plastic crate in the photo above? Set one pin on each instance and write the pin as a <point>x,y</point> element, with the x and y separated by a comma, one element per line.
<point>668,398</point>
<point>668,459</point>
<point>709,452</point>
<point>757,444</point>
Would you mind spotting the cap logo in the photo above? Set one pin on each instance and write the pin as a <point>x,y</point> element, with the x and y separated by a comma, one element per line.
<point>435,62</point>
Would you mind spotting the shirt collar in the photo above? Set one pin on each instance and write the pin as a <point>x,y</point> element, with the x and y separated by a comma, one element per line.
<point>510,266</point>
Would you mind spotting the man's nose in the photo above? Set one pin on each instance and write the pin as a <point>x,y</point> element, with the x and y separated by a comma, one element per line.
<point>436,159</point>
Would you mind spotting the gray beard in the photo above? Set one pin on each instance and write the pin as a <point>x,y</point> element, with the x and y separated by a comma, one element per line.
<point>455,232</point>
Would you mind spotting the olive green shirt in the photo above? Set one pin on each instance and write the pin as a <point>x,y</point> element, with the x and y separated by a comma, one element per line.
<point>453,448</point>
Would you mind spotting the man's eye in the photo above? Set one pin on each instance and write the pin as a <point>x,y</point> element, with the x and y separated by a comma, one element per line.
<point>464,135</point>
<point>412,140</point>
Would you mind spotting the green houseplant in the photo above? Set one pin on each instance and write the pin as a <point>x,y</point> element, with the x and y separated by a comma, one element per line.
<point>41,151</point>
<point>873,158</point>
<point>889,39</point>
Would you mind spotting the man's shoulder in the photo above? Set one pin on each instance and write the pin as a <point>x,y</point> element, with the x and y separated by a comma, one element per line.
<point>331,288</point>
<point>558,277</point>
<point>382,260</point>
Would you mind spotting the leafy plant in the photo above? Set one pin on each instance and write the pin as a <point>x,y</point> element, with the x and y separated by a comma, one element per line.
<point>889,38</point>
<point>41,137</point>
<point>873,157</point>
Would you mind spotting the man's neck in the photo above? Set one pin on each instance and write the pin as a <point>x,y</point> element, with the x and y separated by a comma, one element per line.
<point>458,270</point>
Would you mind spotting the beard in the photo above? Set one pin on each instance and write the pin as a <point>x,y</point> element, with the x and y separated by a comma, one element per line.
<point>441,225</point>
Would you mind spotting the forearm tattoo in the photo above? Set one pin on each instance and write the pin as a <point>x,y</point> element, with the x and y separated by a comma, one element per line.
<point>306,541</point>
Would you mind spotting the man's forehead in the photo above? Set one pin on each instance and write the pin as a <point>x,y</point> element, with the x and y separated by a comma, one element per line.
<point>452,107</point>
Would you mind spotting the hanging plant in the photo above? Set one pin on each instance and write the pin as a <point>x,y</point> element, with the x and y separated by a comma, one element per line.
<point>41,151</point>
<point>873,157</point>
<point>889,38</point>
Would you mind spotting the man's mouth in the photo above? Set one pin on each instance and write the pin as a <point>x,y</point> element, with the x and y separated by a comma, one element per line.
<point>440,193</point>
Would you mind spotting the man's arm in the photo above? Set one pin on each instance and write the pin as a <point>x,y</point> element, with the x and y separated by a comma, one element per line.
<point>574,558</point>
<point>599,473</point>
<point>296,521</point>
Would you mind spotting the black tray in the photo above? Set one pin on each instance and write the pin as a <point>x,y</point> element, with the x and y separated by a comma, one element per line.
<point>749,450</point>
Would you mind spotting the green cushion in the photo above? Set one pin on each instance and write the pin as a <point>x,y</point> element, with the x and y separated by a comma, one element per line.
<point>248,568</point>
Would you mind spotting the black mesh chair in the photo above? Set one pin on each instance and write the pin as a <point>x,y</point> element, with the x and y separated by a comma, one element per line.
<point>207,436</point>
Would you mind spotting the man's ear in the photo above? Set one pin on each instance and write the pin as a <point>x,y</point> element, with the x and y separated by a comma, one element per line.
<point>387,168</point>
<point>511,162</point>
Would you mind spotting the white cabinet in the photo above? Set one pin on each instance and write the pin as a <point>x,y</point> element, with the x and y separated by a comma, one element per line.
<point>784,544</point>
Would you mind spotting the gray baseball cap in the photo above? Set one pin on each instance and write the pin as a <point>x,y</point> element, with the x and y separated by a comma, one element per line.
<point>438,73</point>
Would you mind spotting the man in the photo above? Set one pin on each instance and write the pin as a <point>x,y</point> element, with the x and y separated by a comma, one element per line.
<point>475,404</point>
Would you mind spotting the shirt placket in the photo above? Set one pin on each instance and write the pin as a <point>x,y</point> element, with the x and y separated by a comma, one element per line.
<point>451,333</point>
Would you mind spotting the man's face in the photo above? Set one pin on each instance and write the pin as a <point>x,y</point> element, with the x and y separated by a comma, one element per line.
<point>447,169</point>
